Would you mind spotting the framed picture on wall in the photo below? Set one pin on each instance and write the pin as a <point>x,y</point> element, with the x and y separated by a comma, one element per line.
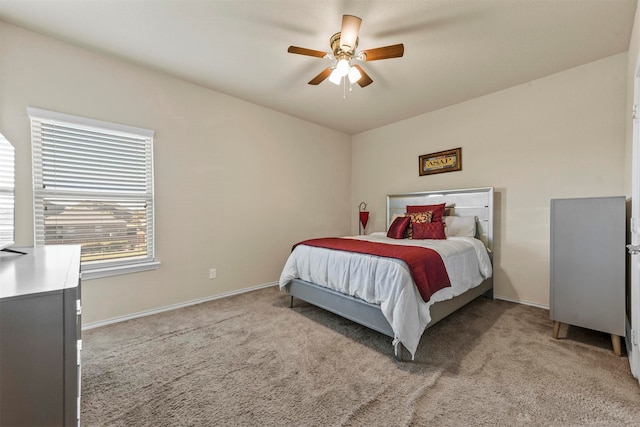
<point>441,161</point>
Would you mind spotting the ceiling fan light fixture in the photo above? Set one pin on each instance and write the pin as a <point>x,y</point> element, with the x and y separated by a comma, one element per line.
<point>342,67</point>
<point>335,77</point>
<point>354,75</point>
<point>343,49</point>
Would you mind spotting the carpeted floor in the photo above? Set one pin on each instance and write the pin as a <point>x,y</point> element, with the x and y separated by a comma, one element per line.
<point>251,360</point>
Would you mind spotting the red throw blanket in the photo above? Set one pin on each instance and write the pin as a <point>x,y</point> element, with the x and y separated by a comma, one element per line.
<point>426,265</point>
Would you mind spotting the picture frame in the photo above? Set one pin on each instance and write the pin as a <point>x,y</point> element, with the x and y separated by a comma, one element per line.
<point>440,161</point>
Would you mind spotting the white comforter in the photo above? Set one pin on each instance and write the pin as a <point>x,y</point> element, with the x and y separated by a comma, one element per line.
<point>388,282</point>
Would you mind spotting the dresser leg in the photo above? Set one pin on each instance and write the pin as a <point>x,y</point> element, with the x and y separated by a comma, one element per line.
<point>556,329</point>
<point>615,341</point>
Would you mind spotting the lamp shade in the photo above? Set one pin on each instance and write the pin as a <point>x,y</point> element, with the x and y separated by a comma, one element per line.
<point>354,75</point>
<point>335,77</point>
<point>364,218</point>
<point>342,67</point>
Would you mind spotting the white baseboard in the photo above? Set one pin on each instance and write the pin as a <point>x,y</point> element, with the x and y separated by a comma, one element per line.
<point>100,323</point>
<point>518,301</point>
<point>93,325</point>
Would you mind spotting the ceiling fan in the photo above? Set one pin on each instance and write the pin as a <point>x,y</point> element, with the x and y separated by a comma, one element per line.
<point>343,50</point>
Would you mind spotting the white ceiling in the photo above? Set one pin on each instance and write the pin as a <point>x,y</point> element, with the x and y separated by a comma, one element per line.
<point>455,50</point>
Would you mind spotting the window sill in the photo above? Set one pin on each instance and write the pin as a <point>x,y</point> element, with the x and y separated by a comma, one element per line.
<point>99,273</point>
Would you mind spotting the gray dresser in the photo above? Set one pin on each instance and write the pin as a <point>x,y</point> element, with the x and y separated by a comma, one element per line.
<point>40,337</point>
<point>588,265</point>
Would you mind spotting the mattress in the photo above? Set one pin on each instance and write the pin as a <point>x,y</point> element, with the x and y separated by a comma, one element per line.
<point>387,282</point>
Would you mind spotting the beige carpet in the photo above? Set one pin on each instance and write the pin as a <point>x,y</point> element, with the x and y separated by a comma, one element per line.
<point>251,360</point>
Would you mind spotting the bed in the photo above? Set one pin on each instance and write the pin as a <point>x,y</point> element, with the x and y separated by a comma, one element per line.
<point>379,292</point>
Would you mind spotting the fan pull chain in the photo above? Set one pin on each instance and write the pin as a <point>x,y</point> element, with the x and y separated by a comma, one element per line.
<point>344,88</point>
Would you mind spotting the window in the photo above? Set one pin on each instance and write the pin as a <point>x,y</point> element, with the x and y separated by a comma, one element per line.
<point>7,189</point>
<point>93,186</point>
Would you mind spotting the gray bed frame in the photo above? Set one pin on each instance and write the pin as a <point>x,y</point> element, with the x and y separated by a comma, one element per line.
<point>477,202</point>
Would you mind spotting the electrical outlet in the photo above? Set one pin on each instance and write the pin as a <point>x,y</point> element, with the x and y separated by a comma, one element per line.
<point>212,273</point>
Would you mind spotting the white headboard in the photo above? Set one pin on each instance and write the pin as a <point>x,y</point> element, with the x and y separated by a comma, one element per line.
<point>476,202</point>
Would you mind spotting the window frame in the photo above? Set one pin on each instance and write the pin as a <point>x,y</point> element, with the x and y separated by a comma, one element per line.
<point>98,269</point>
<point>7,193</point>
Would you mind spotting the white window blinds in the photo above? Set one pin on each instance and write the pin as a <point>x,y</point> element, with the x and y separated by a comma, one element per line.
<point>93,186</point>
<point>6,192</point>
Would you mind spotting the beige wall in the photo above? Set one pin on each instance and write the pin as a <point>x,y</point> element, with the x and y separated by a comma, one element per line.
<point>560,136</point>
<point>236,184</point>
<point>246,169</point>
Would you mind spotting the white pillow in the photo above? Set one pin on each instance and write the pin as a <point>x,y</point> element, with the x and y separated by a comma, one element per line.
<point>462,226</point>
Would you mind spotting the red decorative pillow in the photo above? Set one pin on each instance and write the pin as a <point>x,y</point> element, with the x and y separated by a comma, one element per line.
<point>416,217</point>
<point>429,230</point>
<point>438,210</point>
<point>398,227</point>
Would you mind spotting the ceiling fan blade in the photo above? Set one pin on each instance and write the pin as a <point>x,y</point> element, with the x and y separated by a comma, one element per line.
<point>393,51</point>
<point>365,80</point>
<point>349,32</point>
<point>320,77</point>
<point>304,51</point>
